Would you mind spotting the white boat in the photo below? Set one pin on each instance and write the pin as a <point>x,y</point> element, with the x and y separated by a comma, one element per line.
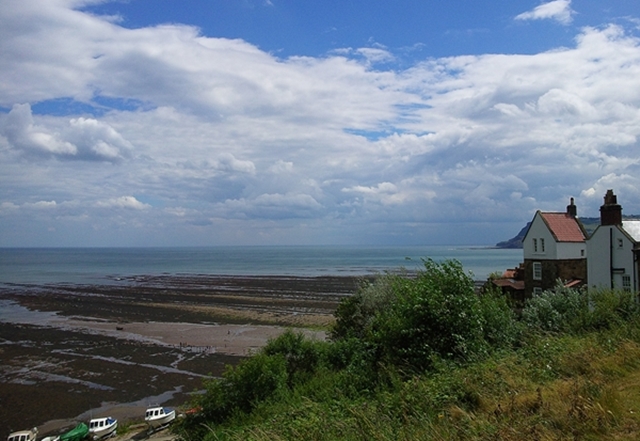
<point>157,416</point>
<point>24,435</point>
<point>103,427</point>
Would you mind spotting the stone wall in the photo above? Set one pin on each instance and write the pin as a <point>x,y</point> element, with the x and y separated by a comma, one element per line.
<point>552,270</point>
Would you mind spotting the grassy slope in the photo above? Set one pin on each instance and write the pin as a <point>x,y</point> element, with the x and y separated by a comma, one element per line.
<point>552,388</point>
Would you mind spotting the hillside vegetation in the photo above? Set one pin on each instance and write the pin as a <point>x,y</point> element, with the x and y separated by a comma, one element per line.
<point>427,358</point>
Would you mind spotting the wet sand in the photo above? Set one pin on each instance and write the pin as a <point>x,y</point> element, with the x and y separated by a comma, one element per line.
<point>69,353</point>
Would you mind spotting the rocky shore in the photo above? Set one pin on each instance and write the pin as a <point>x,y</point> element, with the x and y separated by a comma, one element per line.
<point>69,353</point>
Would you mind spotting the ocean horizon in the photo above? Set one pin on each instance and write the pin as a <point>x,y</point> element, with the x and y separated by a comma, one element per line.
<point>104,265</point>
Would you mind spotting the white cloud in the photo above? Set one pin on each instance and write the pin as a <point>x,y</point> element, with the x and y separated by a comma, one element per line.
<point>228,136</point>
<point>43,205</point>
<point>559,10</point>
<point>271,206</point>
<point>123,202</point>
<point>228,162</point>
<point>97,139</point>
<point>8,207</point>
<point>83,138</point>
<point>23,134</point>
<point>281,166</point>
<point>370,55</point>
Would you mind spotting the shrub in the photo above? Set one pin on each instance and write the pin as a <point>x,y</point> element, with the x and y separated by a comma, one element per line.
<point>240,389</point>
<point>578,310</point>
<point>302,356</point>
<point>555,310</point>
<point>610,308</point>
<point>355,314</point>
<point>500,327</point>
<point>437,314</point>
<point>410,322</point>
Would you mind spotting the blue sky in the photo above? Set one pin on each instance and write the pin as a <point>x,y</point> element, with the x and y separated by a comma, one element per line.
<point>250,122</point>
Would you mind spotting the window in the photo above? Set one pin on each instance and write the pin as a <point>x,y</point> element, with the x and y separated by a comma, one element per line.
<point>535,245</point>
<point>620,243</point>
<point>581,253</point>
<point>542,245</point>
<point>537,271</point>
<point>626,282</point>
<point>537,291</point>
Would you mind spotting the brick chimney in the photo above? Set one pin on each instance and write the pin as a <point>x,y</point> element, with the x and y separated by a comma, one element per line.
<point>610,212</point>
<point>572,210</point>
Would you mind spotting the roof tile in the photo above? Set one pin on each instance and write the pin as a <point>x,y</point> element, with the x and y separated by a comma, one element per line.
<point>564,227</point>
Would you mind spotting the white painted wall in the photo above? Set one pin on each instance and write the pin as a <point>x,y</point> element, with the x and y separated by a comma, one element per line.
<point>552,250</point>
<point>609,247</point>
<point>598,272</point>
<point>538,230</point>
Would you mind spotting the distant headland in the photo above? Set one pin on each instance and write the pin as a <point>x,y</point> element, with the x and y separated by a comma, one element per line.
<point>590,224</point>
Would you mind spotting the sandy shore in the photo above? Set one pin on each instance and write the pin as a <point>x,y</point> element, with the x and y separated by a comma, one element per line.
<point>69,353</point>
<point>228,339</point>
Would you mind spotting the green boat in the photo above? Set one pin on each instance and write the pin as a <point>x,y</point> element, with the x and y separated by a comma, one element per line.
<point>76,434</point>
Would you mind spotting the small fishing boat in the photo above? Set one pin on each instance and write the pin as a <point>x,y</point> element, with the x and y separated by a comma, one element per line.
<point>103,427</point>
<point>76,434</point>
<point>158,416</point>
<point>24,435</point>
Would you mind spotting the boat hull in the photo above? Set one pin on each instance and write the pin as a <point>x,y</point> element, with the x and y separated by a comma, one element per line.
<point>102,427</point>
<point>158,417</point>
<point>24,435</point>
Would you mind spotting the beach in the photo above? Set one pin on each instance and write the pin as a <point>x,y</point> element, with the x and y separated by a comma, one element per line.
<point>70,352</point>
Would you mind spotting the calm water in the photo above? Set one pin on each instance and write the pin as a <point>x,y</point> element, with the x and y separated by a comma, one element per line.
<point>100,265</point>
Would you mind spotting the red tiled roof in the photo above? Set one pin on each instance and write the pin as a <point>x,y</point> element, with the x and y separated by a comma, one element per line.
<point>564,227</point>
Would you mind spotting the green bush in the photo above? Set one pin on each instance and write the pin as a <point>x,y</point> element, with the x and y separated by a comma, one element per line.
<point>411,321</point>
<point>610,308</point>
<point>500,328</point>
<point>240,389</point>
<point>579,310</point>
<point>558,310</point>
<point>302,356</point>
<point>355,314</point>
<point>436,314</point>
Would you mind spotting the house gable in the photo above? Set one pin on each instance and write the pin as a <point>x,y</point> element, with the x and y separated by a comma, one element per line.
<point>554,248</point>
<point>554,236</point>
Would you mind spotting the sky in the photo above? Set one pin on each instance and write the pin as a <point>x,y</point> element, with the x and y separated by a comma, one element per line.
<point>333,122</point>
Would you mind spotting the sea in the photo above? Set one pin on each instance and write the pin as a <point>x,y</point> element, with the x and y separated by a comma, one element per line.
<point>44,266</point>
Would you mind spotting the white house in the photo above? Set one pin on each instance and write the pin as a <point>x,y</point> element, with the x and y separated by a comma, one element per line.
<point>554,247</point>
<point>614,249</point>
